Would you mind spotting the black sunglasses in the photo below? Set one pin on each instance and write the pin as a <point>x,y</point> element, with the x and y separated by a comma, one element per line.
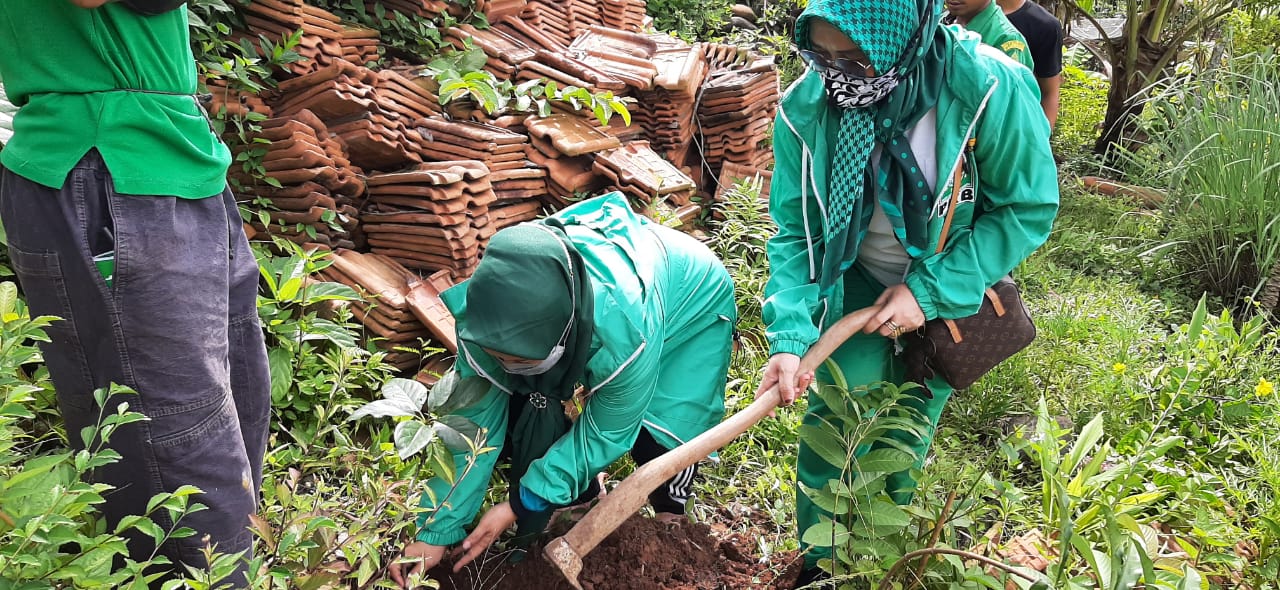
<point>820,63</point>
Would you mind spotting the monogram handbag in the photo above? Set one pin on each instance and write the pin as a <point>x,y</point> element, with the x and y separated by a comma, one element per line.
<point>963,350</point>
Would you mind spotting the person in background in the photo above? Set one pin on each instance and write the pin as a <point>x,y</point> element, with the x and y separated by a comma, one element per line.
<point>119,222</point>
<point>638,314</point>
<point>1043,33</point>
<point>985,18</point>
<point>895,116</point>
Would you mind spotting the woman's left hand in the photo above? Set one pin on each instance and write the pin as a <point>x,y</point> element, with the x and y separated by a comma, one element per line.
<point>899,313</point>
<point>494,522</point>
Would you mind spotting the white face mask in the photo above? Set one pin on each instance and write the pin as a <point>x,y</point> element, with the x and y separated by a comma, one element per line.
<point>535,368</point>
<point>531,367</point>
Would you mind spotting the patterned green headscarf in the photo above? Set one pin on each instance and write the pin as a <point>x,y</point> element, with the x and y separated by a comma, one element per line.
<point>895,35</point>
<point>529,285</point>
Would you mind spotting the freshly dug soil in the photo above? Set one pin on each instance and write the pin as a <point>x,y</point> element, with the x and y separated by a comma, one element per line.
<point>643,554</point>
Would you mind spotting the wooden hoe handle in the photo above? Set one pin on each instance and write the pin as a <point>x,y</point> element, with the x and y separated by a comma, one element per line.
<point>618,505</point>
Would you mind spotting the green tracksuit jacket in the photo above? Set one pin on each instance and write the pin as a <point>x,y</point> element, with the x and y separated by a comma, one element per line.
<point>664,316</point>
<point>985,97</point>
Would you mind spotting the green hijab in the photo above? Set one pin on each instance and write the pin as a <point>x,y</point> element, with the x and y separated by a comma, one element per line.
<point>529,286</point>
<point>897,35</point>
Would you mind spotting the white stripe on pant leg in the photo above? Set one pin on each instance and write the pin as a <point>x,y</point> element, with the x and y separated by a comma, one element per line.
<point>678,489</point>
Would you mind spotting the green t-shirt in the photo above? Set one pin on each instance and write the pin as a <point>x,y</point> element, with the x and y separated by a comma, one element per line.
<point>112,79</point>
<point>995,29</point>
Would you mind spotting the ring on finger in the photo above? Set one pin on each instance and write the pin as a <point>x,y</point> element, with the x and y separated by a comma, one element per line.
<point>893,326</point>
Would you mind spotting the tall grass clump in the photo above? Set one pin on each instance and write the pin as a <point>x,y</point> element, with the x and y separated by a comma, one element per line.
<point>1215,147</point>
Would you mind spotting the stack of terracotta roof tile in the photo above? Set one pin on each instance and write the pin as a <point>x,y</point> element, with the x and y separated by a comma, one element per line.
<point>322,31</point>
<point>517,182</point>
<point>316,202</point>
<point>399,92</point>
<point>433,217</point>
<point>642,174</point>
<point>723,56</point>
<point>627,15</point>
<point>399,309</point>
<point>345,97</point>
<point>668,112</point>
<point>531,34</point>
<point>359,45</point>
<point>234,102</point>
<point>623,55</point>
<point>732,174</point>
<point>735,112</point>
<point>505,52</point>
<point>568,71</point>
<point>564,144</point>
<point>551,18</point>
<point>503,10</point>
<point>583,14</point>
<point>339,90</point>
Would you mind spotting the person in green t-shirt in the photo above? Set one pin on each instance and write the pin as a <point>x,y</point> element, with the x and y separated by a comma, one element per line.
<point>985,18</point>
<point>119,222</point>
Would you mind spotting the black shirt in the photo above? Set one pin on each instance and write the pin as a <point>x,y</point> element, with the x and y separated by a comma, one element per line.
<point>1044,37</point>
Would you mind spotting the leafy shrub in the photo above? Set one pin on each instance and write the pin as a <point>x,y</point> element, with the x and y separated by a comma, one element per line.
<point>740,241</point>
<point>1252,33</point>
<point>1214,148</point>
<point>1083,103</point>
<point>691,20</point>
<point>318,369</point>
<point>411,35</point>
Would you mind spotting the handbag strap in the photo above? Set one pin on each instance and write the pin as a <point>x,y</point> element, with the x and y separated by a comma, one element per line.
<point>951,209</point>
<point>955,193</point>
<point>946,228</point>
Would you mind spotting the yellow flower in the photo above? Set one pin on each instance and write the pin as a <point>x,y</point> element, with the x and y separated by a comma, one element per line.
<point>1119,367</point>
<point>1264,388</point>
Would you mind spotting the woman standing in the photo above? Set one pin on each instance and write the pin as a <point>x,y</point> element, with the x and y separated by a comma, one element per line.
<point>639,314</point>
<point>895,114</point>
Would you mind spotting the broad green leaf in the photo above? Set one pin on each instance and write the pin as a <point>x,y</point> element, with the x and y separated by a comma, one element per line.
<point>411,436</point>
<point>401,397</point>
<point>8,298</point>
<point>1084,444</point>
<point>882,512</point>
<point>1191,579</point>
<point>823,498</point>
<point>327,291</point>
<point>825,444</point>
<point>280,361</point>
<point>327,330</point>
<point>442,464</point>
<point>456,432</point>
<point>825,534</point>
<point>884,461</point>
<point>1197,320</point>
<point>35,468</point>
<point>289,290</point>
<point>452,393</point>
<point>412,392</point>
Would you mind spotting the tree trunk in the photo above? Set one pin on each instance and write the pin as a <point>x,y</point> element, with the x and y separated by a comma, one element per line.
<point>1125,100</point>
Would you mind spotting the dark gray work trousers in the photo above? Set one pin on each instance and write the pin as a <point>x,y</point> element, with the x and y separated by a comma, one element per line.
<point>177,324</point>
